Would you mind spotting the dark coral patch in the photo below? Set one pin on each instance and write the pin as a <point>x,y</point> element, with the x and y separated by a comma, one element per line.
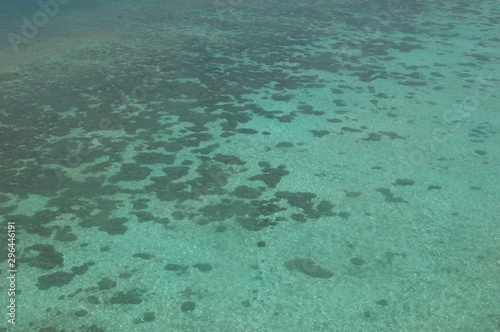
<point>262,209</point>
<point>154,158</point>
<point>34,224</point>
<point>312,213</point>
<point>131,172</point>
<point>246,131</point>
<point>357,261</point>
<point>319,133</point>
<point>255,224</point>
<point>351,130</point>
<point>65,235</point>
<point>47,258</point>
<point>344,215</point>
<point>203,267</point>
<point>81,313</point>
<point>228,160</point>
<point>404,182</point>
<point>264,164</point>
<point>246,192</point>
<point>82,269</point>
<point>286,118</point>
<point>308,109</point>
<point>218,211</point>
<point>149,316</point>
<point>373,137</point>
<point>391,135</point>
<point>220,229</point>
<point>130,297</point>
<point>106,283</point>
<point>278,97</point>
<point>299,199</point>
<point>271,176</point>
<point>240,207</point>
<point>389,196</point>
<point>211,181</point>
<point>325,208</point>
<point>143,255</point>
<point>194,140</point>
<point>176,267</point>
<point>433,187</point>
<point>56,279</point>
<point>299,217</point>
<point>309,267</point>
<point>284,145</point>
<point>174,173</point>
<point>143,216</point>
<point>188,306</point>
<point>207,150</point>
<point>114,226</point>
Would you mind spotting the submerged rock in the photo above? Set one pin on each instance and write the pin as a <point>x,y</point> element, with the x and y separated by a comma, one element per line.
<point>309,267</point>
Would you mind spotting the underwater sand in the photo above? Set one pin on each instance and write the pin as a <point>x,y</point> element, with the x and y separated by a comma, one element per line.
<point>252,166</point>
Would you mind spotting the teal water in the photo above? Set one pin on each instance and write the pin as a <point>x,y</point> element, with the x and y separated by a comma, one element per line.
<point>250,165</point>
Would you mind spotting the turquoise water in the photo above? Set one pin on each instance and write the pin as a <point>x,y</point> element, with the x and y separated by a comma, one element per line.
<point>250,165</point>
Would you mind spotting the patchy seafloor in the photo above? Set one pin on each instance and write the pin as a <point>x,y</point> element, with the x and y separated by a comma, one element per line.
<point>251,165</point>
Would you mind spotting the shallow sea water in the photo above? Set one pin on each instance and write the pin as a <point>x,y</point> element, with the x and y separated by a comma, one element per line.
<point>251,165</point>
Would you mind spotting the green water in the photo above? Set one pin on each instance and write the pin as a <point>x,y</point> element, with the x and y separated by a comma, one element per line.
<point>250,165</point>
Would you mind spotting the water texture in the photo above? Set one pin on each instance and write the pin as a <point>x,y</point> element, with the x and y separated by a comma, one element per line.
<point>250,165</point>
